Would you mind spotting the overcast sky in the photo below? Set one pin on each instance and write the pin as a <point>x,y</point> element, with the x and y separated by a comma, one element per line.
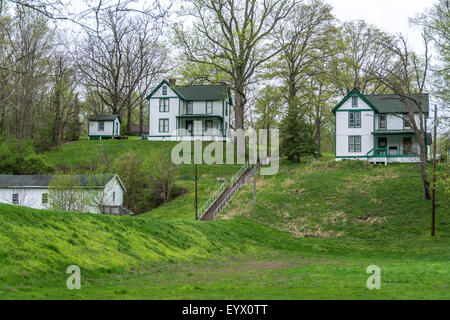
<point>388,15</point>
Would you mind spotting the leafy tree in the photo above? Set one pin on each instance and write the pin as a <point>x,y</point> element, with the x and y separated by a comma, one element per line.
<point>65,194</point>
<point>358,52</point>
<point>436,26</point>
<point>268,107</point>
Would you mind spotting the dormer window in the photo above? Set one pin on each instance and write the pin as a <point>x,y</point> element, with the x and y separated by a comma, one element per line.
<point>354,102</point>
<point>164,90</point>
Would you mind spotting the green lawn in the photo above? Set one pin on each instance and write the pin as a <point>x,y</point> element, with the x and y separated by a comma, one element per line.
<point>316,228</point>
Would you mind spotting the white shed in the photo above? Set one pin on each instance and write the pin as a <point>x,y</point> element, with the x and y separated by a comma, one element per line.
<point>105,126</point>
<point>90,193</point>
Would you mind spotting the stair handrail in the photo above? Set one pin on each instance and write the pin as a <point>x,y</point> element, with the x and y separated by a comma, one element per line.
<point>233,190</point>
<point>238,174</point>
<point>211,199</point>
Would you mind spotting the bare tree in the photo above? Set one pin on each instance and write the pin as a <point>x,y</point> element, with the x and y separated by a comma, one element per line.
<point>121,59</point>
<point>233,37</point>
<point>163,175</point>
<point>405,75</point>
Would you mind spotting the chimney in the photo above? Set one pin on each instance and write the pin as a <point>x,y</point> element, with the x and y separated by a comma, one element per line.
<point>357,87</point>
<point>172,81</point>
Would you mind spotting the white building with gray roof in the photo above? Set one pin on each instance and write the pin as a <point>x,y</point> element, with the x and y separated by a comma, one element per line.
<point>95,193</point>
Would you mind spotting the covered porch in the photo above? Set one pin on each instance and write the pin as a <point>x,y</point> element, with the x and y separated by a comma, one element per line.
<point>395,144</point>
<point>200,126</point>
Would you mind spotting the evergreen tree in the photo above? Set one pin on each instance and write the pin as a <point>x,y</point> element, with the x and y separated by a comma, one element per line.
<point>296,136</point>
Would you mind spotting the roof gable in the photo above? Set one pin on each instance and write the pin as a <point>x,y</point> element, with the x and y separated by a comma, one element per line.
<point>172,87</point>
<point>354,92</point>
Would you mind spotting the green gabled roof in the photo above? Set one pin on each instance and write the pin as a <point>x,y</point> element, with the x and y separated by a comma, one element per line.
<point>198,92</point>
<point>205,92</point>
<point>390,103</point>
<point>354,92</point>
<point>385,103</point>
<point>105,117</point>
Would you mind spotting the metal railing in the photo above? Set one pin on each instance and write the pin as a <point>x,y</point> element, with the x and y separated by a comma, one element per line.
<point>234,189</point>
<point>202,132</point>
<point>238,174</point>
<point>211,200</point>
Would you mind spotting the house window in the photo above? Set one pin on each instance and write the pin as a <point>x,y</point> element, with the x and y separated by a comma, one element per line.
<point>209,107</point>
<point>114,197</point>
<point>354,144</point>
<point>354,119</point>
<point>208,125</point>
<point>164,90</point>
<point>44,198</point>
<point>163,105</point>
<point>189,107</point>
<point>382,124</point>
<point>101,126</point>
<point>354,102</point>
<point>163,125</point>
<point>406,123</point>
<point>15,198</point>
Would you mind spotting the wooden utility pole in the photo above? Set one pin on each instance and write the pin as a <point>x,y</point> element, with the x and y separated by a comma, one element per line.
<point>433,192</point>
<point>195,204</point>
<point>254,185</point>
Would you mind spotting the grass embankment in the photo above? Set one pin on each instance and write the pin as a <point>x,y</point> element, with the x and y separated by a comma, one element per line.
<point>81,157</point>
<point>314,231</point>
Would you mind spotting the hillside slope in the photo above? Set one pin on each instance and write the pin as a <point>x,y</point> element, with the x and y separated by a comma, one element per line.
<point>348,199</point>
<point>316,228</point>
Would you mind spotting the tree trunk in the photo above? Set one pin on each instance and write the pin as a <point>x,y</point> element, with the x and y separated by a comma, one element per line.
<point>128,118</point>
<point>238,110</point>
<point>76,120</point>
<point>57,124</point>
<point>318,137</point>
<point>141,118</point>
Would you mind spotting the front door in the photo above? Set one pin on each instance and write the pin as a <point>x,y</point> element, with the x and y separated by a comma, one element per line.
<point>189,126</point>
<point>407,145</point>
<point>382,144</point>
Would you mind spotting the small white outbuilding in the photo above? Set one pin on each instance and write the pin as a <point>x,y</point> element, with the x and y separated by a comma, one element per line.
<point>105,126</point>
<point>89,193</point>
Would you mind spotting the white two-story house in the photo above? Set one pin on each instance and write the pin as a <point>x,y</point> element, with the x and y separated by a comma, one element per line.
<point>189,112</point>
<point>375,128</point>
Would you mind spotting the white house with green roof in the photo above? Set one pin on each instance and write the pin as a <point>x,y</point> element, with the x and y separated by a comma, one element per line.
<point>105,126</point>
<point>375,128</point>
<point>189,112</point>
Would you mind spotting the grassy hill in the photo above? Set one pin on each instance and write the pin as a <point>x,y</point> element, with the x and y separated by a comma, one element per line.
<point>316,228</point>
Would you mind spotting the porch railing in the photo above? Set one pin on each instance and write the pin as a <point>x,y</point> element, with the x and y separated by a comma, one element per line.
<point>392,152</point>
<point>202,132</point>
